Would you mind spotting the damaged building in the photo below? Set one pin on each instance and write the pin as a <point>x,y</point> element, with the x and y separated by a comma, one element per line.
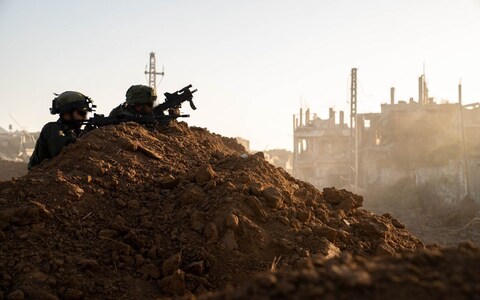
<point>321,149</point>
<point>408,142</point>
<point>16,145</point>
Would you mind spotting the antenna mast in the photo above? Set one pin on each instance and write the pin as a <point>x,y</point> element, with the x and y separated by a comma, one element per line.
<point>152,72</point>
<point>353,178</point>
<point>464,146</point>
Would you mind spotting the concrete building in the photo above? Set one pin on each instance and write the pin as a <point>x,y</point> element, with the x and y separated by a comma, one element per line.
<point>245,143</point>
<point>321,149</point>
<point>280,158</point>
<point>416,141</point>
<point>16,145</point>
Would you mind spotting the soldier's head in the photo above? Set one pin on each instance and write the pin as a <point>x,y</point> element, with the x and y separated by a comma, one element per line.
<point>72,106</point>
<point>141,98</point>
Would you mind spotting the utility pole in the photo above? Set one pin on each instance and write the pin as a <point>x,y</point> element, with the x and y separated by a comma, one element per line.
<point>423,88</point>
<point>464,146</point>
<point>353,170</point>
<point>152,72</point>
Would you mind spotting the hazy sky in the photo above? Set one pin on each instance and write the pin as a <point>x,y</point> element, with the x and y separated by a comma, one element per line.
<point>252,61</point>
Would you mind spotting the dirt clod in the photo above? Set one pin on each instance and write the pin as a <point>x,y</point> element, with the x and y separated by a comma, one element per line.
<point>173,284</point>
<point>204,174</point>
<point>273,197</point>
<point>171,265</point>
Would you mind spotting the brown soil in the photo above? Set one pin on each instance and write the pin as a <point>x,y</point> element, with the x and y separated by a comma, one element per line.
<point>10,169</point>
<point>446,229</point>
<point>428,216</point>
<point>129,213</point>
<point>431,274</point>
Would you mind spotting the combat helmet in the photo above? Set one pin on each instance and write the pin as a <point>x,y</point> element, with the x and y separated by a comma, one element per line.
<point>69,101</point>
<point>140,94</point>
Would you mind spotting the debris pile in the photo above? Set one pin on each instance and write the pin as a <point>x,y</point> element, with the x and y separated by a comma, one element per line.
<point>10,169</point>
<point>131,213</point>
<point>429,274</point>
<point>427,215</point>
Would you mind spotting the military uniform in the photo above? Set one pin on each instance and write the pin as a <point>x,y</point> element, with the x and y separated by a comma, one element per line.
<point>123,110</point>
<point>53,137</point>
<point>137,95</point>
<point>72,106</point>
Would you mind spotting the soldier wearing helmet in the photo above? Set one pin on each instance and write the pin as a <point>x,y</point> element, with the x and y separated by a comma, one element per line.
<point>72,108</point>
<point>139,102</point>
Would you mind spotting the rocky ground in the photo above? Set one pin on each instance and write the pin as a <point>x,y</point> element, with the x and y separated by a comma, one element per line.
<point>435,221</point>
<point>428,274</point>
<point>9,169</point>
<point>127,213</point>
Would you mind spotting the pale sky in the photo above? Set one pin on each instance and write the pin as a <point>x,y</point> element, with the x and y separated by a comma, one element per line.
<point>254,62</point>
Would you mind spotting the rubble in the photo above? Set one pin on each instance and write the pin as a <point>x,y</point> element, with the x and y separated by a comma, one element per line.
<point>10,169</point>
<point>131,213</point>
<point>429,274</point>
<point>425,214</point>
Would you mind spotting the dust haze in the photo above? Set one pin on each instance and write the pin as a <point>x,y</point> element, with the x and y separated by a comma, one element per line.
<point>293,150</point>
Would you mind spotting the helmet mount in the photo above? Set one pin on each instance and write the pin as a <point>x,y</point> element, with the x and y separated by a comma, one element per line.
<point>70,101</point>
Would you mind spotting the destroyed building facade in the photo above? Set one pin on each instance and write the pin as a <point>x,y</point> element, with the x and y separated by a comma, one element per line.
<point>415,142</point>
<point>321,149</point>
<point>16,145</point>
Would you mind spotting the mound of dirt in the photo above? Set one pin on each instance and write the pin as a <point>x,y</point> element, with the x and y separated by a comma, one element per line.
<point>10,169</point>
<point>130,213</point>
<point>429,274</point>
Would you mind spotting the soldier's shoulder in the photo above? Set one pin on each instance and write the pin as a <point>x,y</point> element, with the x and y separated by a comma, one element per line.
<point>122,110</point>
<point>51,126</point>
<point>116,111</point>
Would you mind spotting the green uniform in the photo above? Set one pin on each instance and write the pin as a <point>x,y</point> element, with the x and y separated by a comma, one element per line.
<point>136,95</point>
<point>123,110</point>
<point>126,110</point>
<point>53,137</point>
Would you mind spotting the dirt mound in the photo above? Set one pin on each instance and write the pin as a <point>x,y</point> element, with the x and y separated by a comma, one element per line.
<point>10,169</point>
<point>429,274</point>
<point>129,213</point>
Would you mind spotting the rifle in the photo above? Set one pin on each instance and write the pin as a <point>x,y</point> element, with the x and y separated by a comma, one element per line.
<point>148,121</point>
<point>175,100</point>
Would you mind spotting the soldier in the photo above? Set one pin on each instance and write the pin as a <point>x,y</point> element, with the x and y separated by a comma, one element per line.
<point>139,102</point>
<point>73,108</point>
